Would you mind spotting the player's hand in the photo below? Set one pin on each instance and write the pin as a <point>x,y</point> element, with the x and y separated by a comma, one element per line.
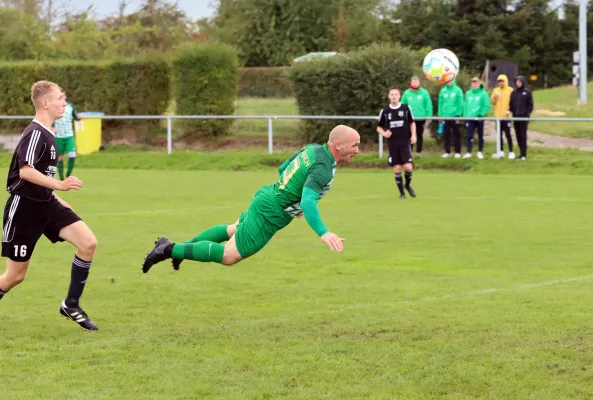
<point>387,134</point>
<point>428,122</point>
<point>507,113</point>
<point>333,241</point>
<point>71,183</point>
<point>413,140</point>
<point>299,215</point>
<point>495,95</point>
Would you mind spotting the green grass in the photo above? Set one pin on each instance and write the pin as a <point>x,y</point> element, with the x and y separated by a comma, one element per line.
<point>479,288</point>
<point>283,129</point>
<point>564,99</point>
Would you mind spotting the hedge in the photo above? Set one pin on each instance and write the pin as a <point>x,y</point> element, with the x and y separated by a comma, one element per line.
<point>353,83</point>
<point>120,87</point>
<point>205,81</point>
<point>265,82</point>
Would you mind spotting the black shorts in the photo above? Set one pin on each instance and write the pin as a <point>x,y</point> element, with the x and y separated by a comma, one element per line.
<point>400,155</point>
<point>26,220</point>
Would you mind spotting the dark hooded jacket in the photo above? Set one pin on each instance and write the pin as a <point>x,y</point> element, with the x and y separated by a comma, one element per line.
<point>521,101</point>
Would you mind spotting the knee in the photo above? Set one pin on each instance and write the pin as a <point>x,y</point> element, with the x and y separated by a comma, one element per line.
<point>88,245</point>
<point>231,229</point>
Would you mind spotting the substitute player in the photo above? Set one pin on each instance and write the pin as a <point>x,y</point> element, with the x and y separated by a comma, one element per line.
<point>305,178</point>
<point>33,209</point>
<point>65,138</point>
<point>396,123</point>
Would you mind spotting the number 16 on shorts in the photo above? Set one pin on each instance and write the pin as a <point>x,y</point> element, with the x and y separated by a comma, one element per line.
<point>20,251</point>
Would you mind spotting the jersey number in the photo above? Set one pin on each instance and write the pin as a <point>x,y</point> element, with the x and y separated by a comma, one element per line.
<point>289,172</point>
<point>20,249</point>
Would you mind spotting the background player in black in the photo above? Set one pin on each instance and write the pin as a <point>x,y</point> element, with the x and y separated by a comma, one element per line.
<point>34,209</point>
<point>396,123</point>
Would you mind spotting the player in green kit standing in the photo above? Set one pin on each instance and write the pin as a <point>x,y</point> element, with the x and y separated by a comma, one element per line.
<point>65,139</point>
<point>305,178</point>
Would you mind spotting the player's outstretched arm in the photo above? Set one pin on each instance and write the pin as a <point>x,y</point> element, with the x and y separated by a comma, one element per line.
<point>313,218</point>
<point>30,174</point>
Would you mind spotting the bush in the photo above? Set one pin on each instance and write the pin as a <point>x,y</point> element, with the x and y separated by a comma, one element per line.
<point>265,82</point>
<point>205,81</point>
<point>350,84</point>
<point>139,87</point>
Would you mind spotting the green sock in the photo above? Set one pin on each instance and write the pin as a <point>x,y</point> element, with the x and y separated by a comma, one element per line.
<point>61,170</point>
<point>204,251</point>
<point>71,162</point>
<point>216,234</point>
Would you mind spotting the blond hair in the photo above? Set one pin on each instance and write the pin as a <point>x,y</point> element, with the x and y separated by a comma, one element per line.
<point>40,89</point>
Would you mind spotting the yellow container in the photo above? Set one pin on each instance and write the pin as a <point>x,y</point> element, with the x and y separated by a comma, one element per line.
<point>88,132</point>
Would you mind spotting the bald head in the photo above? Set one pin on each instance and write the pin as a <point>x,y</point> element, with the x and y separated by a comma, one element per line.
<point>342,133</point>
<point>343,143</point>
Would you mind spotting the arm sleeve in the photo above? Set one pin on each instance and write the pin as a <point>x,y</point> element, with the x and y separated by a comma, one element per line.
<point>381,122</point>
<point>460,102</point>
<point>511,103</point>
<point>465,106</point>
<point>75,114</point>
<point>428,101</point>
<point>285,163</point>
<point>31,148</point>
<point>530,103</point>
<point>311,211</point>
<point>410,115</point>
<point>485,105</point>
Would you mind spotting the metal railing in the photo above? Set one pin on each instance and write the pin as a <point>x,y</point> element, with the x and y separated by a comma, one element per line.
<point>270,118</point>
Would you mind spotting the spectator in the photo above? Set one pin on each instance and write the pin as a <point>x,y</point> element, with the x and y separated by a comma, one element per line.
<point>477,105</point>
<point>451,105</point>
<point>501,98</point>
<point>420,102</point>
<point>521,107</point>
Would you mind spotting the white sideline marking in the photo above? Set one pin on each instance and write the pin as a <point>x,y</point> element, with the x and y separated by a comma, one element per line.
<point>282,318</point>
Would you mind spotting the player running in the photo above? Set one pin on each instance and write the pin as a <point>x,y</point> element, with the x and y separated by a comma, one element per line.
<point>396,123</point>
<point>33,209</point>
<point>305,178</point>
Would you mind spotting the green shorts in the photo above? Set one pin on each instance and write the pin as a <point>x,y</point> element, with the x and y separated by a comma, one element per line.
<point>260,222</point>
<point>66,145</point>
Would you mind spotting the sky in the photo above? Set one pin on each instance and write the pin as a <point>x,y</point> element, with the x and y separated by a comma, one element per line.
<point>194,9</point>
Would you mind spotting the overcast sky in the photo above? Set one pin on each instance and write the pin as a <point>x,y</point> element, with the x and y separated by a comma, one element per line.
<point>194,8</point>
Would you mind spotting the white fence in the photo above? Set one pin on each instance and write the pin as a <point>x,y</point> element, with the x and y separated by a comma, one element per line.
<point>271,118</point>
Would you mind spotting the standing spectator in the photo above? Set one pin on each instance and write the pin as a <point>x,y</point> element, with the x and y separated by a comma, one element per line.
<point>420,102</point>
<point>65,138</point>
<point>451,105</point>
<point>501,99</point>
<point>521,106</point>
<point>477,105</point>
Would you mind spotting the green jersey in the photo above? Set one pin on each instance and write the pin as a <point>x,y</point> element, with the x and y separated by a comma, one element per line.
<point>64,125</point>
<point>313,167</point>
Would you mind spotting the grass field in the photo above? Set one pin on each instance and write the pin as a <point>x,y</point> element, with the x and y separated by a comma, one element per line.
<point>479,288</point>
<point>564,99</point>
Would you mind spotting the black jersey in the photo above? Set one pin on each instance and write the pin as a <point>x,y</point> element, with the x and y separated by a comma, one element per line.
<point>36,148</point>
<point>397,120</point>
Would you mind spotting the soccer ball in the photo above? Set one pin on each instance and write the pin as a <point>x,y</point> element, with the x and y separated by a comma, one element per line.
<point>440,65</point>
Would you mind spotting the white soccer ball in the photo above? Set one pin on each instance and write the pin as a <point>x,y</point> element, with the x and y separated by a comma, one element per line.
<point>441,66</point>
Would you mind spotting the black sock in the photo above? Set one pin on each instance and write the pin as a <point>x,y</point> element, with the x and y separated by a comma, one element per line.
<point>78,277</point>
<point>400,183</point>
<point>408,177</point>
<point>2,293</point>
